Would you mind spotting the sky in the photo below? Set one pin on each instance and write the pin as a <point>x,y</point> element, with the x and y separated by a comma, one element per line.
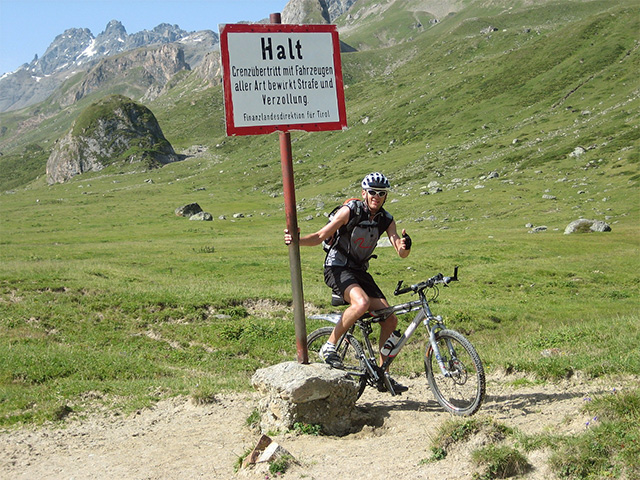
<point>27,27</point>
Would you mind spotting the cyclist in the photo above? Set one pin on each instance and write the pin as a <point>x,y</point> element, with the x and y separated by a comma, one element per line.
<point>354,231</point>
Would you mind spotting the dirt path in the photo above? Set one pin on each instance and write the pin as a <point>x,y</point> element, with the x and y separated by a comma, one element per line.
<point>179,440</point>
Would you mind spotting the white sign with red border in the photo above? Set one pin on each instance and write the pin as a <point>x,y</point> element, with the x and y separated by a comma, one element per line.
<point>281,77</point>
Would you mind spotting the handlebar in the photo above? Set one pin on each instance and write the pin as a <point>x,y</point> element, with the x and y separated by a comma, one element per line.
<point>436,279</point>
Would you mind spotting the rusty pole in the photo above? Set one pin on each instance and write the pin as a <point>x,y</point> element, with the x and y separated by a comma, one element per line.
<point>288,186</point>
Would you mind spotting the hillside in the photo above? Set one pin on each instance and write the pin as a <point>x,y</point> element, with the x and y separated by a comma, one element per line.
<point>484,88</point>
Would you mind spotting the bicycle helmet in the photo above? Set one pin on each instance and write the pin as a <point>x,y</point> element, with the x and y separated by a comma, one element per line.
<point>376,181</point>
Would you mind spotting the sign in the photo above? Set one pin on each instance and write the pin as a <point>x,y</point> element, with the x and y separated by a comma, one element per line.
<point>281,77</point>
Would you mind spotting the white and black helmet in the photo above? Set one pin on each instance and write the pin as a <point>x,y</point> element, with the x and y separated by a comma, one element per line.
<point>376,181</point>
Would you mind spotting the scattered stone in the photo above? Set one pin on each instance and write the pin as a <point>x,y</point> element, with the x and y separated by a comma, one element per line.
<point>195,150</point>
<point>583,225</point>
<point>188,210</point>
<point>238,215</point>
<point>577,152</point>
<point>489,29</point>
<point>272,452</point>
<point>600,226</point>
<point>546,196</point>
<point>384,242</point>
<point>266,450</point>
<point>202,216</point>
<point>541,228</point>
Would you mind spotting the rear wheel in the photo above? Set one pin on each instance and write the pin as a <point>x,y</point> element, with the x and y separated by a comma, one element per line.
<point>349,350</point>
<point>461,391</point>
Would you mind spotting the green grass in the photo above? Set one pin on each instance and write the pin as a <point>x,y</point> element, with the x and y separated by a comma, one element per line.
<point>499,462</point>
<point>608,447</point>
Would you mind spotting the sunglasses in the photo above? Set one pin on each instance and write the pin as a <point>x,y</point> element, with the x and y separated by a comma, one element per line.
<point>380,193</point>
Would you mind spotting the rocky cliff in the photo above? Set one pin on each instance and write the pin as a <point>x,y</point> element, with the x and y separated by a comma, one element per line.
<point>113,130</point>
<point>140,70</point>
<point>77,50</point>
<point>314,11</point>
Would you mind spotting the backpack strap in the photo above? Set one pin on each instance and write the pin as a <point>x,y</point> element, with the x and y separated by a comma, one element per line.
<point>354,219</point>
<point>357,215</point>
<point>360,213</point>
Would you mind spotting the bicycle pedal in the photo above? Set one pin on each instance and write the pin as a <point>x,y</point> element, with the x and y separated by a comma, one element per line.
<point>382,388</point>
<point>386,386</point>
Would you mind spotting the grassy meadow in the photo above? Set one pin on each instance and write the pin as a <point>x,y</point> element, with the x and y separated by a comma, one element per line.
<point>105,290</point>
<point>107,299</point>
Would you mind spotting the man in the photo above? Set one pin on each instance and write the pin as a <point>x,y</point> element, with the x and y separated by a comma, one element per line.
<point>358,224</point>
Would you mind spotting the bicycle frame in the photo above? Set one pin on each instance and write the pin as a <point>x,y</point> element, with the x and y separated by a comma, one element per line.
<point>424,316</point>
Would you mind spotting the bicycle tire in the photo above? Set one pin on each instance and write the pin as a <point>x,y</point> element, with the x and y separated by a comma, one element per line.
<point>463,392</point>
<point>350,351</point>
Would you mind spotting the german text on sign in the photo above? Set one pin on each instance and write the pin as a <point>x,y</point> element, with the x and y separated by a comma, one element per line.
<point>282,77</point>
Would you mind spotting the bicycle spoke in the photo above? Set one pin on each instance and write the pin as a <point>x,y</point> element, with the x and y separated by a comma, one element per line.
<point>461,389</point>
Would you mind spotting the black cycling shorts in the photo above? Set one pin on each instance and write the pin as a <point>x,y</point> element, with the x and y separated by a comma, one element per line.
<point>339,278</point>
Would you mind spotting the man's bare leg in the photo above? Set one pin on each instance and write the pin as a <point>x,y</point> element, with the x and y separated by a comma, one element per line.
<point>358,306</point>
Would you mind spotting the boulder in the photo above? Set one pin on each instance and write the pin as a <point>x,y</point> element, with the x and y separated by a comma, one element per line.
<point>583,225</point>
<point>188,210</point>
<point>202,216</point>
<point>314,394</point>
<point>114,130</point>
<point>577,152</point>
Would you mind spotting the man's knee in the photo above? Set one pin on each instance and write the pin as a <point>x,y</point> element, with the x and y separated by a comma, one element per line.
<point>360,303</point>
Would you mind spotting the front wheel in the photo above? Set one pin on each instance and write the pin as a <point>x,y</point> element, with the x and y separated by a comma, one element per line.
<point>461,389</point>
<point>348,349</point>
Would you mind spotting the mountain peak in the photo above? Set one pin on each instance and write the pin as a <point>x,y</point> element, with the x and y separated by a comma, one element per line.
<point>114,27</point>
<point>77,49</point>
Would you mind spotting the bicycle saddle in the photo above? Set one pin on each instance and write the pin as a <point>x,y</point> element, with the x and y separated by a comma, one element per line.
<point>337,300</point>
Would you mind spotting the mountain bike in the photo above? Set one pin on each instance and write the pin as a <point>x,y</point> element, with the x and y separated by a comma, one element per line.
<point>453,367</point>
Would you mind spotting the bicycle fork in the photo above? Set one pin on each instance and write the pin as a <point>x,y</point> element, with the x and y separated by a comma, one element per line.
<point>434,345</point>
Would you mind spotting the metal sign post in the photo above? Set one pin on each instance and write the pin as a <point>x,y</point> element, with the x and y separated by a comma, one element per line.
<point>281,78</point>
<point>286,161</point>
